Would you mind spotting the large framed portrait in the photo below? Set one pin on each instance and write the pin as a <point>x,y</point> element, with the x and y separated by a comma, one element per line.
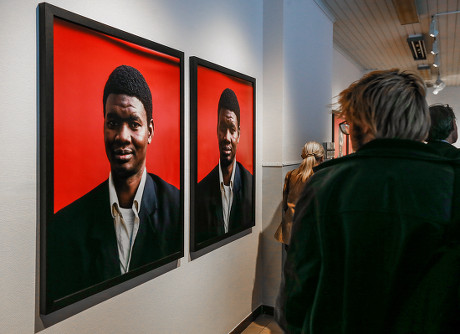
<point>222,189</point>
<point>110,156</point>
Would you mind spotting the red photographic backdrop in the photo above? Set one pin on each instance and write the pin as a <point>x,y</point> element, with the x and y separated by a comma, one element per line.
<point>336,134</point>
<point>83,60</point>
<point>210,85</point>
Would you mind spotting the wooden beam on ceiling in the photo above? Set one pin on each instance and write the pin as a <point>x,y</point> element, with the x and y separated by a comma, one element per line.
<point>406,10</point>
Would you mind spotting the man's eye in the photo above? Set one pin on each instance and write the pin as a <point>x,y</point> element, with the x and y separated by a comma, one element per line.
<point>135,125</point>
<point>111,124</point>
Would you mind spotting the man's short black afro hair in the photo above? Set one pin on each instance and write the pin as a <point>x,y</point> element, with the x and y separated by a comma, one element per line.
<point>129,81</point>
<point>229,101</point>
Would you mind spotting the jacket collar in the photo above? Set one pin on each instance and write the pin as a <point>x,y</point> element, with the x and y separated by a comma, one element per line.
<point>103,232</point>
<point>137,202</point>
<point>149,198</point>
<point>147,229</point>
<point>237,178</point>
<point>104,239</point>
<point>216,199</point>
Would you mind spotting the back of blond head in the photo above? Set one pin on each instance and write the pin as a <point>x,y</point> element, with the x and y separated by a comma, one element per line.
<point>312,155</point>
<point>386,104</point>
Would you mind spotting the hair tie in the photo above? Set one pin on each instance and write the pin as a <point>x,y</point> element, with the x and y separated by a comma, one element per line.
<point>304,156</point>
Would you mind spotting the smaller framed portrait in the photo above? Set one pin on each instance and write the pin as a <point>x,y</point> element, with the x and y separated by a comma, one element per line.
<point>340,137</point>
<point>222,198</point>
<point>110,156</point>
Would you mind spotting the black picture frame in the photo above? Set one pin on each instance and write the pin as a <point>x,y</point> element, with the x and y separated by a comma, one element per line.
<point>196,194</point>
<point>48,15</point>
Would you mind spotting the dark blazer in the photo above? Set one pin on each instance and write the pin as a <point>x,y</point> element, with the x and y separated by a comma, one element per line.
<point>445,149</point>
<point>209,221</point>
<point>82,247</point>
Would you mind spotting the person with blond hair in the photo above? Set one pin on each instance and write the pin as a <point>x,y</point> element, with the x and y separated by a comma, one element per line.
<point>375,244</point>
<point>294,183</point>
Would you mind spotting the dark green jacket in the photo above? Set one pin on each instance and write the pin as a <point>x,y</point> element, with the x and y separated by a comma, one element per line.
<point>374,234</point>
<point>445,149</point>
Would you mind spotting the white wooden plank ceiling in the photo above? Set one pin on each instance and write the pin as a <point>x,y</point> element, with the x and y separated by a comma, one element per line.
<point>370,33</point>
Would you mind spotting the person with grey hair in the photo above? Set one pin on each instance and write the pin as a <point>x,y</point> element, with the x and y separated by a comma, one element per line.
<point>443,132</point>
<point>375,240</point>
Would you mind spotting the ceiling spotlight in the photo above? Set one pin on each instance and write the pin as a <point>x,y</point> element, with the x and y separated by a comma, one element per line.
<point>435,49</point>
<point>439,88</point>
<point>439,85</point>
<point>434,26</point>
<point>436,61</point>
<point>438,80</point>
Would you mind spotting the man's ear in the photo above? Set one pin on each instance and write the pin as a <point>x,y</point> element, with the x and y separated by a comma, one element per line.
<point>360,135</point>
<point>151,130</point>
<point>454,134</point>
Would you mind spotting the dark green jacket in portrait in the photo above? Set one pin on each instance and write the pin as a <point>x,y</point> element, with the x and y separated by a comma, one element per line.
<point>374,247</point>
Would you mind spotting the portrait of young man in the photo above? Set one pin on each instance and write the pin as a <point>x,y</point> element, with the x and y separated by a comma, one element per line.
<point>128,221</point>
<point>224,197</point>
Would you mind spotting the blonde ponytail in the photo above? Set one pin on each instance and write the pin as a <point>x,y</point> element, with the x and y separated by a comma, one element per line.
<point>312,155</point>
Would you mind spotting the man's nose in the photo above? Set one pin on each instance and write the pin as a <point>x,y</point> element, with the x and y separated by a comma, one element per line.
<point>227,135</point>
<point>124,133</point>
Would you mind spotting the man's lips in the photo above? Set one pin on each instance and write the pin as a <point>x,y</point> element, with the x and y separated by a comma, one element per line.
<point>226,150</point>
<point>122,154</point>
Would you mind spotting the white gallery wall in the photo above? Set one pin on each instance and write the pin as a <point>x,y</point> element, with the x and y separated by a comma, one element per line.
<point>286,126</point>
<point>449,95</point>
<point>344,72</point>
<point>216,291</point>
<point>297,93</point>
<point>211,294</point>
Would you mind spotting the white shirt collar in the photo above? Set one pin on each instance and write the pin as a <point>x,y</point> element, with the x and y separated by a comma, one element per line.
<point>114,204</point>
<point>221,177</point>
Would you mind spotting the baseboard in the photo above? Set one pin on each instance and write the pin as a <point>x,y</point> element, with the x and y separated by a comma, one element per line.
<point>262,309</point>
<point>269,310</point>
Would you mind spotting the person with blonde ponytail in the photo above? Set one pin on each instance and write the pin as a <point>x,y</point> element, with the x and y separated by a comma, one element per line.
<point>294,182</point>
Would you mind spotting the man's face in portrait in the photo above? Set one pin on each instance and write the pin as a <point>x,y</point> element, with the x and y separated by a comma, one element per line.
<point>127,133</point>
<point>228,135</point>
